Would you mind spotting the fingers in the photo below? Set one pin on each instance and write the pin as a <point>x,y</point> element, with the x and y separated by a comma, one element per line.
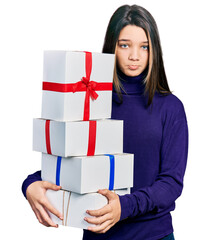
<point>45,219</point>
<point>103,221</point>
<point>99,212</point>
<point>52,209</point>
<point>39,217</point>
<point>98,220</point>
<point>106,229</point>
<point>101,228</point>
<point>43,216</point>
<point>48,185</point>
<point>107,193</point>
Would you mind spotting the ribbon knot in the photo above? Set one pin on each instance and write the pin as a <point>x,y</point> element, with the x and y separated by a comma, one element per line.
<point>90,86</point>
<point>85,80</point>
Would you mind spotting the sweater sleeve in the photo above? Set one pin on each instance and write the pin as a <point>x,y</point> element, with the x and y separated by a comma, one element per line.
<point>168,184</point>
<point>30,179</point>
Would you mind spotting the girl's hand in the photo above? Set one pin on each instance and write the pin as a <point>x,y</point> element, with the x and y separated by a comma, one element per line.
<point>35,194</point>
<point>107,216</point>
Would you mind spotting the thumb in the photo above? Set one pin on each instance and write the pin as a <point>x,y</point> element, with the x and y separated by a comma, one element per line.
<point>48,185</point>
<point>107,193</point>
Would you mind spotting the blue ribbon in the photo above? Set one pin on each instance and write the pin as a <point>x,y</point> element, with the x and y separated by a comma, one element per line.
<point>111,175</point>
<point>58,170</point>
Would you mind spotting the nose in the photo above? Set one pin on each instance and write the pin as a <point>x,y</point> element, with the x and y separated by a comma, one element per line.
<point>134,54</point>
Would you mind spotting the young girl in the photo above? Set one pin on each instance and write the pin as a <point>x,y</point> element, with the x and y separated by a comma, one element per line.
<point>155,130</point>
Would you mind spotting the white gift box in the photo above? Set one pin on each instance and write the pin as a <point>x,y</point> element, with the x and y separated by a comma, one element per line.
<point>62,69</point>
<point>89,173</point>
<point>80,138</point>
<point>73,206</point>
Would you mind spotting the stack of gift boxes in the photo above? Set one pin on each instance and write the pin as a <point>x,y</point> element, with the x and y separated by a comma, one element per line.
<point>82,148</point>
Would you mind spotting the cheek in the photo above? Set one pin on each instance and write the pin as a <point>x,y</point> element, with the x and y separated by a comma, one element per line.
<point>120,57</point>
<point>145,58</point>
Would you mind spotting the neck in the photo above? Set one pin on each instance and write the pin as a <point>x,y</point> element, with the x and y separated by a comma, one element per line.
<point>132,84</point>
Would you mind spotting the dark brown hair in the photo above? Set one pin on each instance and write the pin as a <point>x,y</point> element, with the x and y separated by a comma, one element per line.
<point>155,79</point>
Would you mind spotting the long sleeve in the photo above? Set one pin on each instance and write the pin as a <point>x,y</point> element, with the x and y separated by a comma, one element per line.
<point>30,179</point>
<point>169,182</point>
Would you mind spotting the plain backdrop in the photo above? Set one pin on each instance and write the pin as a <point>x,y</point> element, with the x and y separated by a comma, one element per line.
<point>27,28</point>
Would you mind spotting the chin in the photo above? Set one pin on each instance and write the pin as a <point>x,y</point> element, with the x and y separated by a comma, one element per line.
<point>132,73</point>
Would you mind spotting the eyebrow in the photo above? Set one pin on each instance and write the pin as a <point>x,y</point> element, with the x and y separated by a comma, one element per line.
<point>127,40</point>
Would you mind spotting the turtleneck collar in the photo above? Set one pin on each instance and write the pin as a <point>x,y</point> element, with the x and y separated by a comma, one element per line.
<point>132,85</point>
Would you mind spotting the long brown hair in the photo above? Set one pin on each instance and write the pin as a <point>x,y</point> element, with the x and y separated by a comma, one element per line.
<point>155,79</point>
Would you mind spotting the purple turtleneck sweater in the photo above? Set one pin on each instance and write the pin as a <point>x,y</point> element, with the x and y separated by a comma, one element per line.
<point>158,137</point>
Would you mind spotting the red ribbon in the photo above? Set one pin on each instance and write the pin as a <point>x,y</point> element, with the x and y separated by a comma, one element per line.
<point>47,136</point>
<point>91,140</point>
<point>84,85</point>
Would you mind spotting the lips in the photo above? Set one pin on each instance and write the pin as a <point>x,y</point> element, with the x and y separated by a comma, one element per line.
<point>133,67</point>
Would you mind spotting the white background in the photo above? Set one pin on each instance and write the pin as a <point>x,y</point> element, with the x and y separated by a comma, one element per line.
<point>30,27</point>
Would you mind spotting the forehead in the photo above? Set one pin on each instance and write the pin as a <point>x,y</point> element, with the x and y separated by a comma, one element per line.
<point>133,33</point>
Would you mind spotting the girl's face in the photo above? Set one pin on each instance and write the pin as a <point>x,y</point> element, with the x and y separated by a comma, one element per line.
<point>132,50</point>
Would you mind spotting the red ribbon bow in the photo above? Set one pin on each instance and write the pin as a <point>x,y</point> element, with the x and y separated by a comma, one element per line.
<point>89,85</point>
